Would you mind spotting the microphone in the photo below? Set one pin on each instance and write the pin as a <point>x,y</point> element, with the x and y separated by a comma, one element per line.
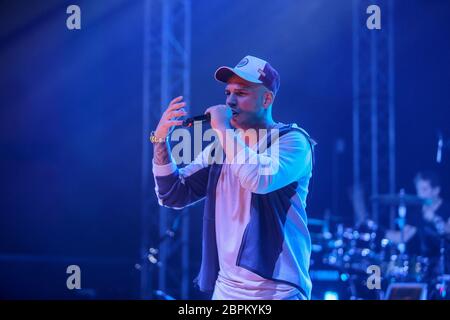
<point>190,121</point>
<point>439,149</point>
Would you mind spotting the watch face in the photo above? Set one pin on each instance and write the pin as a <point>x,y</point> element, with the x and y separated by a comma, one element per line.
<point>155,139</point>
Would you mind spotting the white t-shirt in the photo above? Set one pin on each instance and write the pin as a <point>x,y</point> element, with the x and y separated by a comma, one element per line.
<point>232,217</point>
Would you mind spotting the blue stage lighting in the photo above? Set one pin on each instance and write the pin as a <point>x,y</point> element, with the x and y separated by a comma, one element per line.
<point>330,295</point>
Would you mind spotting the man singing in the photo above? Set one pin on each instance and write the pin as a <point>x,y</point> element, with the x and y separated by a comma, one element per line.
<point>256,243</point>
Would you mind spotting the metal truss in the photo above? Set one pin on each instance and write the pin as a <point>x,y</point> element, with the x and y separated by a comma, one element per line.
<point>373,103</point>
<point>166,74</point>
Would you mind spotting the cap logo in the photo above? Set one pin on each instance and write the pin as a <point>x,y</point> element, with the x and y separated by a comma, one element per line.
<point>242,63</point>
<point>261,72</point>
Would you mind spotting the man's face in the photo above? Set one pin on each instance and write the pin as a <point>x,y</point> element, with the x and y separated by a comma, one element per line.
<point>246,101</point>
<point>425,190</point>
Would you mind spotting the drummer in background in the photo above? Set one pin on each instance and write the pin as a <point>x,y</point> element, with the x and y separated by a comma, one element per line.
<point>425,229</point>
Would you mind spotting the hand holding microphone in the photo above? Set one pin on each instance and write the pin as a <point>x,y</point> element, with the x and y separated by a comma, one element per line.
<point>219,116</point>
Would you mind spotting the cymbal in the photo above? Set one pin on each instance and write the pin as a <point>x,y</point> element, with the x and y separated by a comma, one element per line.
<point>398,199</point>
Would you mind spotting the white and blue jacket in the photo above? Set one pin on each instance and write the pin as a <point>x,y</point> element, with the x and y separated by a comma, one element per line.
<point>276,244</point>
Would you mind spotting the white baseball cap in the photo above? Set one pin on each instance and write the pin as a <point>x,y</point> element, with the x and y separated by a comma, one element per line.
<point>252,69</point>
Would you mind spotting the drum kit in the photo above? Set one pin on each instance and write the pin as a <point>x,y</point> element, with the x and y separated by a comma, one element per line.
<point>352,250</point>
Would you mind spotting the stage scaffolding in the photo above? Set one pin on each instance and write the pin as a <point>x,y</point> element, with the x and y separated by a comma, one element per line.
<point>166,74</point>
<point>373,104</point>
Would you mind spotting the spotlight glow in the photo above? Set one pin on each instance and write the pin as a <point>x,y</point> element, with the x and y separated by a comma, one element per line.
<point>331,295</point>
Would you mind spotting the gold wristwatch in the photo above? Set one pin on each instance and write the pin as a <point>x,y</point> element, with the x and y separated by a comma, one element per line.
<point>155,139</point>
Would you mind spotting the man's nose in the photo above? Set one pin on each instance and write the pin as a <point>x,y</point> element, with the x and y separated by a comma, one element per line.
<point>231,100</point>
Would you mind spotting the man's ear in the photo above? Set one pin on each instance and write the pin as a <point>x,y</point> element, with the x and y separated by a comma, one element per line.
<point>268,99</point>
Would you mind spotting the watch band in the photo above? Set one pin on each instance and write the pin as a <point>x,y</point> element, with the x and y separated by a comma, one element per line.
<point>155,139</point>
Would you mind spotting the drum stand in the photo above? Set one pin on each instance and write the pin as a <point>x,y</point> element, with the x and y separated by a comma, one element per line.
<point>443,278</point>
<point>401,224</point>
<point>401,221</point>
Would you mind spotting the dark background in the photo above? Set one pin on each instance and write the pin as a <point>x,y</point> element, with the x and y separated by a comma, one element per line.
<point>71,120</point>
